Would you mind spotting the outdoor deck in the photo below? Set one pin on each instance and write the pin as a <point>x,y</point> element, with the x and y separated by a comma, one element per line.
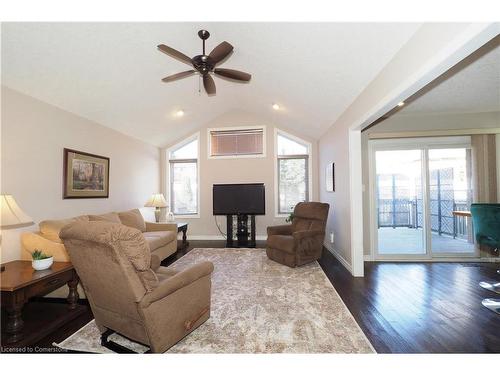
<point>410,241</point>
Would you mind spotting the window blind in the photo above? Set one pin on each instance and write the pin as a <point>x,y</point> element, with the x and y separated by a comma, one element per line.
<point>236,142</point>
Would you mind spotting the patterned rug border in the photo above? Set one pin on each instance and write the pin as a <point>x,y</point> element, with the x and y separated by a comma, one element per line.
<point>62,346</point>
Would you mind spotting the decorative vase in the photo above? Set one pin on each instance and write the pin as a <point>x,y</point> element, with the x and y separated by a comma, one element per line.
<point>170,217</point>
<point>42,264</point>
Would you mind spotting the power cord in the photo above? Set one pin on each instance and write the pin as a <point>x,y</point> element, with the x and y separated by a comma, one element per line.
<point>218,227</point>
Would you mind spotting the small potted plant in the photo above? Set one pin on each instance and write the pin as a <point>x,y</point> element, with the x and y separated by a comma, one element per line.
<point>41,261</point>
<point>289,219</point>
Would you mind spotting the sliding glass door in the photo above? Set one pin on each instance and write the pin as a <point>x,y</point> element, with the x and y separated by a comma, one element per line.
<point>399,197</point>
<point>450,192</point>
<point>419,191</point>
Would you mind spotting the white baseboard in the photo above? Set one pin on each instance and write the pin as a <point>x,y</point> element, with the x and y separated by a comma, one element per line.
<point>370,258</point>
<point>214,237</point>
<point>337,255</point>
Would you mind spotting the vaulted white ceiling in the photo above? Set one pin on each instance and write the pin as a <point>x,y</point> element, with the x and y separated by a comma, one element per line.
<point>111,72</point>
<point>471,86</point>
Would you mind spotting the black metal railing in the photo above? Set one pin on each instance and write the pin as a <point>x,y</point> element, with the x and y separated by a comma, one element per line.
<point>397,209</point>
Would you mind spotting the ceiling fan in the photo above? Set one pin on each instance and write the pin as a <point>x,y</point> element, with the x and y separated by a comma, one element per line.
<point>205,64</point>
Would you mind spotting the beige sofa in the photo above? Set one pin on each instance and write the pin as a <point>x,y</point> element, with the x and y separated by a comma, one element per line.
<point>160,237</point>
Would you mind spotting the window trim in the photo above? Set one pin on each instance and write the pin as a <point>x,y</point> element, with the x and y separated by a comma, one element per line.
<point>247,156</point>
<point>169,181</point>
<point>308,156</point>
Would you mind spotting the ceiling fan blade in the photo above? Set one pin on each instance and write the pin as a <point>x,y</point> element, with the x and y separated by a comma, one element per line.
<point>180,75</point>
<point>220,52</point>
<point>233,74</point>
<point>209,84</point>
<point>175,54</point>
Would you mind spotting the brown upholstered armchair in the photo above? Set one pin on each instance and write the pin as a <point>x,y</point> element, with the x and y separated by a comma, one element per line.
<point>129,292</point>
<point>302,241</point>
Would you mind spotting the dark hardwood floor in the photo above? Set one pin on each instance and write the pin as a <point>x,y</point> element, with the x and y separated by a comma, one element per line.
<point>420,307</point>
<point>401,307</point>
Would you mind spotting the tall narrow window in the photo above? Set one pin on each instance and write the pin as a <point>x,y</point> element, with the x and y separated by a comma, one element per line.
<point>292,171</point>
<point>183,177</point>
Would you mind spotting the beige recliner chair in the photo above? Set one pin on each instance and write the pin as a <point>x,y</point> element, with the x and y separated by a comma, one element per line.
<point>302,241</point>
<point>129,292</point>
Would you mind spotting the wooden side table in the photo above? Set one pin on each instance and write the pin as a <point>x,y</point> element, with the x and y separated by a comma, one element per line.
<point>183,227</point>
<point>20,282</point>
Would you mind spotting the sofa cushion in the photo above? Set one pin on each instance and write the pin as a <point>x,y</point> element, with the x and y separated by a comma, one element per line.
<point>112,217</point>
<point>133,219</point>
<point>159,239</point>
<point>50,228</point>
<point>281,242</point>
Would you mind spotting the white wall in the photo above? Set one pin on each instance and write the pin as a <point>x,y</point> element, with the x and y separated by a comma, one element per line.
<point>33,137</point>
<point>497,142</point>
<point>238,170</point>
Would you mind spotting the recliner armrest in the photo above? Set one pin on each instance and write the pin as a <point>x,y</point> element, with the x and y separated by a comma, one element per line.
<point>279,229</point>
<point>156,227</point>
<point>307,233</point>
<point>155,262</point>
<point>177,282</point>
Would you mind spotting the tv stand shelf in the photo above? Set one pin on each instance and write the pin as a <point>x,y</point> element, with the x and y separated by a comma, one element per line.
<point>245,234</point>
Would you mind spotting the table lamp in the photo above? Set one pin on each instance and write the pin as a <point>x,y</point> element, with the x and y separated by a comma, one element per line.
<point>12,215</point>
<point>158,201</point>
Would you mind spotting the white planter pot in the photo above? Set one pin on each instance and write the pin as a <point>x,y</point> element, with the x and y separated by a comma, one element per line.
<point>42,264</point>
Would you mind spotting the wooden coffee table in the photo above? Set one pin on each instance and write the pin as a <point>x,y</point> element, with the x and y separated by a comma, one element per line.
<point>20,282</point>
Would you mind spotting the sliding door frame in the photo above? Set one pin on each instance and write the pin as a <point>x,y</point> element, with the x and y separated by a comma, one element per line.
<point>424,145</point>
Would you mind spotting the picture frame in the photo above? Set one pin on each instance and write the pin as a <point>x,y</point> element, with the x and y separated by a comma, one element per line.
<point>330,177</point>
<point>85,175</point>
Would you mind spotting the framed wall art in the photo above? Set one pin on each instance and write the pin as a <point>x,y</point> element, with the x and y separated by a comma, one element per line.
<point>85,175</point>
<point>330,177</point>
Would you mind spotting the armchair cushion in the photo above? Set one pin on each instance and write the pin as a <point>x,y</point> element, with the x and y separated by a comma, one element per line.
<point>177,281</point>
<point>280,229</point>
<point>282,242</point>
<point>133,219</point>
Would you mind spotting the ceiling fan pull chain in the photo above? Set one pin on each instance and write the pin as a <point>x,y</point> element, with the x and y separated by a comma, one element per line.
<point>199,85</point>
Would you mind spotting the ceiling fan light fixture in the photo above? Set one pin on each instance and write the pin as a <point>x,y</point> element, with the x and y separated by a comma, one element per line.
<point>205,64</point>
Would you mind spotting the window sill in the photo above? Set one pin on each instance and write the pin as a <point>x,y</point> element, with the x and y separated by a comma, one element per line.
<point>187,216</point>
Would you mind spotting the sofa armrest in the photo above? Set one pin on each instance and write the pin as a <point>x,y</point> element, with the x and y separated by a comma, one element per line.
<point>156,227</point>
<point>307,233</point>
<point>177,282</point>
<point>31,241</point>
<point>279,229</point>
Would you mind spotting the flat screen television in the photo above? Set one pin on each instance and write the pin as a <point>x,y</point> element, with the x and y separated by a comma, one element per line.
<point>235,199</point>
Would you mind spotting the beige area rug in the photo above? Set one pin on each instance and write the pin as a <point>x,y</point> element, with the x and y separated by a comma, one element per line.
<point>258,306</point>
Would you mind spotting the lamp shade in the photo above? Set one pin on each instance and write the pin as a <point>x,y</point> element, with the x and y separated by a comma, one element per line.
<point>12,215</point>
<point>156,200</point>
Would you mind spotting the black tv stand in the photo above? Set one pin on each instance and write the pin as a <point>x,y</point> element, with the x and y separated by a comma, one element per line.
<point>245,238</point>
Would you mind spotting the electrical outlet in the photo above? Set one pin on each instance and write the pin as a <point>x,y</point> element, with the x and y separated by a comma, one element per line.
<point>332,237</point>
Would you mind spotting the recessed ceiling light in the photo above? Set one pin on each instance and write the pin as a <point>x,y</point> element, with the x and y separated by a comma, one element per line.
<point>400,104</point>
<point>276,106</point>
<point>179,113</point>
